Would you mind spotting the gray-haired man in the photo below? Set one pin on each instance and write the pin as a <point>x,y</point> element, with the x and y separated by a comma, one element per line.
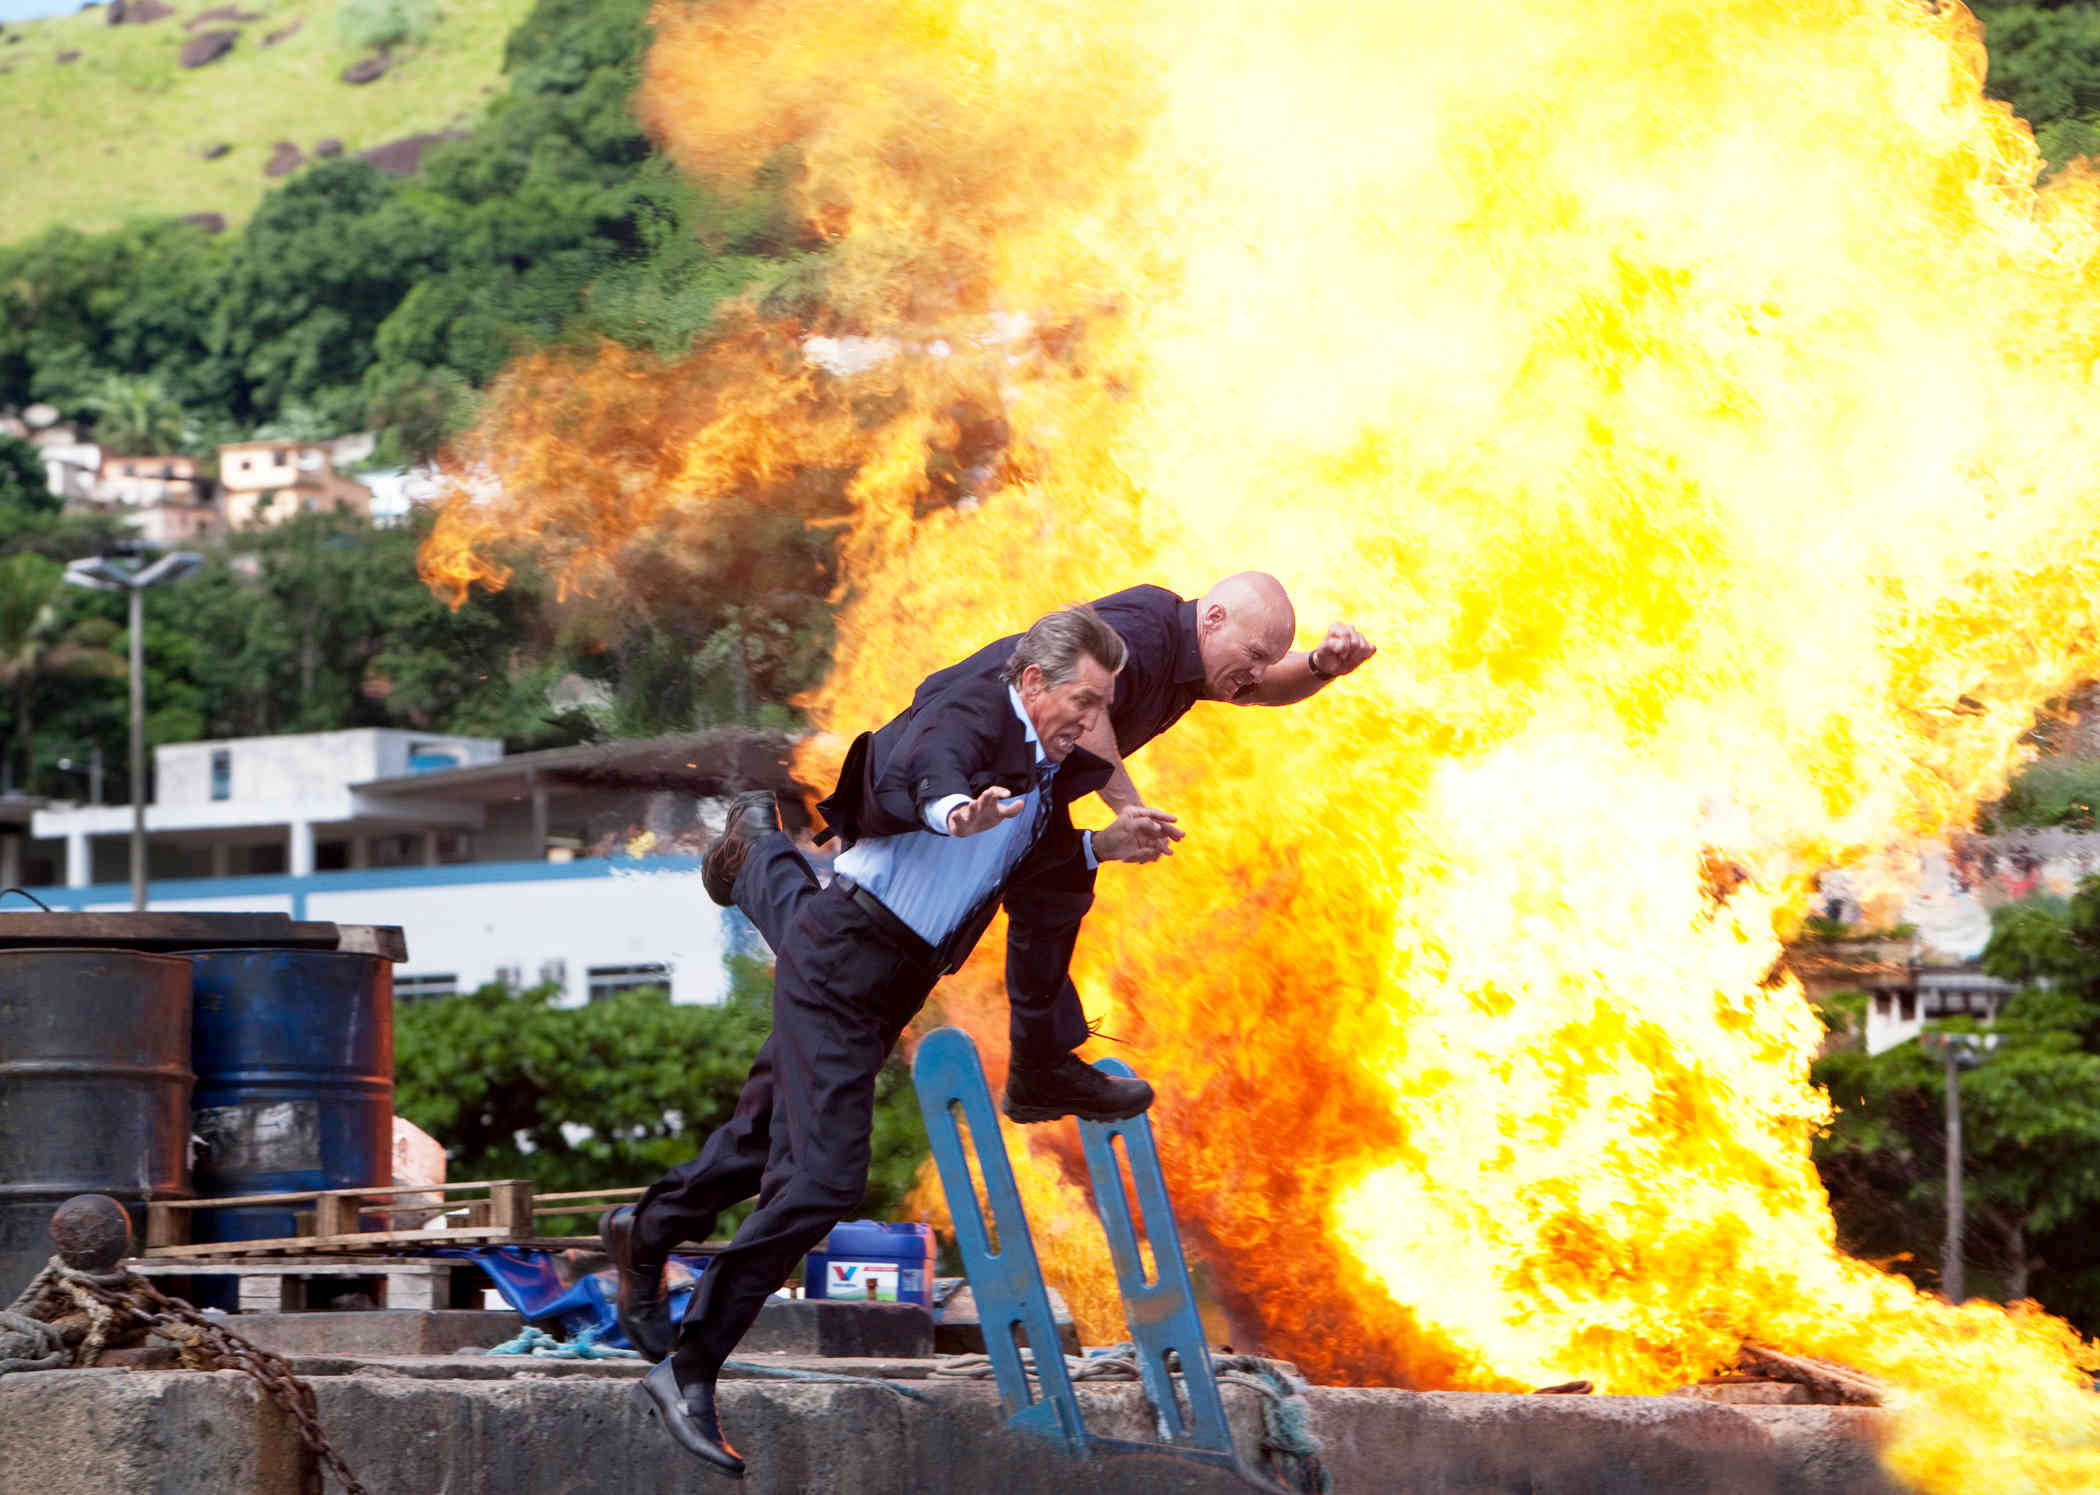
<point>939,811</point>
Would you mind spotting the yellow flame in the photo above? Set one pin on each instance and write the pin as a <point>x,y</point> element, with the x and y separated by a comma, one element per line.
<point>1693,397</point>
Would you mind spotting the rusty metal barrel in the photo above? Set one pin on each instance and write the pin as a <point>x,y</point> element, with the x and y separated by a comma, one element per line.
<point>295,1080</point>
<point>94,1090</point>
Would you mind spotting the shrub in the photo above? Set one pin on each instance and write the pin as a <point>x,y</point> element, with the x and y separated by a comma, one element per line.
<point>2054,791</point>
<point>381,24</point>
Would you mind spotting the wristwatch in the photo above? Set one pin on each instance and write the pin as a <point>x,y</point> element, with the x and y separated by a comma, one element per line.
<point>1312,666</point>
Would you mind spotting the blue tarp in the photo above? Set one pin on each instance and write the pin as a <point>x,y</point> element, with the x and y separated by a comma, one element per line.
<point>530,1284</point>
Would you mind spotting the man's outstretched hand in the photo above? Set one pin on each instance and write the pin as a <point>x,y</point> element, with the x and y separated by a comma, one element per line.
<point>1139,833</point>
<point>1342,650</point>
<point>993,807</point>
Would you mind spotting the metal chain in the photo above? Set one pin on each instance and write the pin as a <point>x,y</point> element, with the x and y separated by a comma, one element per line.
<point>206,1344</point>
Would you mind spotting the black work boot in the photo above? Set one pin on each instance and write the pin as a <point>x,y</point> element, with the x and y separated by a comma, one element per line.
<point>645,1314</point>
<point>752,817</point>
<point>1070,1086</point>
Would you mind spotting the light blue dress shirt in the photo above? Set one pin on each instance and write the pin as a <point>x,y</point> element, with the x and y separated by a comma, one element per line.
<point>931,879</point>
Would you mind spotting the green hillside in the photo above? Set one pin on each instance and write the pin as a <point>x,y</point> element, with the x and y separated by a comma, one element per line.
<point>122,130</point>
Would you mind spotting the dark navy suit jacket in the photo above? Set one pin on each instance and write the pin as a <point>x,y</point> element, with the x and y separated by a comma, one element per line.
<point>961,736</point>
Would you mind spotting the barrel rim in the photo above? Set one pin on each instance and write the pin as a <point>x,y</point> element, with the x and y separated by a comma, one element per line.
<point>97,950</point>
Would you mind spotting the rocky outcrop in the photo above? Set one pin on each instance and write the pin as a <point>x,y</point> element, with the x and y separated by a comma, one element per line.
<point>273,38</point>
<point>137,12</point>
<point>69,57</point>
<point>369,69</point>
<point>215,150</point>
<point>328,149</point>
<point>402,157</point>
<point>231,13</point>
<point>211,223</point>
<point>208,46</point>
<point>285,159</point>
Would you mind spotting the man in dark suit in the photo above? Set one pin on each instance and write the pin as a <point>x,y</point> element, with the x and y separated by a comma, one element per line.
<point>940,811</point>
<point>1231,645</point>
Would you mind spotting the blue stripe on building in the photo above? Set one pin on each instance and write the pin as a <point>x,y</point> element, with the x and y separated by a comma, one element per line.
<point>172,892</point>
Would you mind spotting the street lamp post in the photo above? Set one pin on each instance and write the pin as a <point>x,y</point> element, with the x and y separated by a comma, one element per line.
<point>109,574</point>
<point>1960,1051</point>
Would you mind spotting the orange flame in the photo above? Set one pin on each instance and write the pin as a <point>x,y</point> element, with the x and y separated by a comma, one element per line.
<point>1693,400</point>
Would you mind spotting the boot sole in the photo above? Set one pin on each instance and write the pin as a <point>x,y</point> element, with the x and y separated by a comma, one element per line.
<point>1025,1115</point>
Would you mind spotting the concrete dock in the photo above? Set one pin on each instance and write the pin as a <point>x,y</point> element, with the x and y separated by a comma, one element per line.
<point>472,1425</point>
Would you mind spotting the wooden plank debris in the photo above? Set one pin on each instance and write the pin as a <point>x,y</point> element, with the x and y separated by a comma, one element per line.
<point>504,1215</point>
<point>1831,1383</point>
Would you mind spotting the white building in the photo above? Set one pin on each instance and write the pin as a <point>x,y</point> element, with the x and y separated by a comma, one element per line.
<point>72,469</point>
<point>540,867</point>
<point>398,492</point>
<point>1897,1014</point>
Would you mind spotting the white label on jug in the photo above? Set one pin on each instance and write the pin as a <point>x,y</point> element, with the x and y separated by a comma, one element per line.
<point>873,1280</point>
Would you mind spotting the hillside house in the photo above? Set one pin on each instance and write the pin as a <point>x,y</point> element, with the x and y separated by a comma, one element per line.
<point>267,482</point>
<point>169,500</point>
<point>71,469</point>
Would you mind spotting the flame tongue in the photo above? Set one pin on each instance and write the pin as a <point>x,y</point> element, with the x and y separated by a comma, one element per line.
<point>1693,401</point>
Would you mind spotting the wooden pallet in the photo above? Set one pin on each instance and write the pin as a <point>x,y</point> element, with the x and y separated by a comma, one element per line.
<point>293,1284</point>
<point>503,1215</point>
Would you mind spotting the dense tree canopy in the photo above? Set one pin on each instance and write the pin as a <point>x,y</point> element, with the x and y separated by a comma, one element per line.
<point>609,1094</point>
<point>2031,1117</point>
<point>354,296</point>
<point>2045,62</point>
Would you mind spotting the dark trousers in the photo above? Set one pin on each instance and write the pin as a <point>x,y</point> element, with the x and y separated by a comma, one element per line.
<point>1045,1019</point>
<point>773,889</point>
<point>844,986</point>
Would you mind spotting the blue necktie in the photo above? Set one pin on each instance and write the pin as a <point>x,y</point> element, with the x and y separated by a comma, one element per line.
<point>1045,771</point>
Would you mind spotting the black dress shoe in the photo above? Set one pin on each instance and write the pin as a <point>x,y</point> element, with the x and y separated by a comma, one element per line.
<point>1072,1087</point>
<point>689,1413</point>
<point>645,1314</point>
<point>752,817</point>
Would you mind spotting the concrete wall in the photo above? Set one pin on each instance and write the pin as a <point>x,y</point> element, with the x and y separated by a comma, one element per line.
<point>553,1433</point>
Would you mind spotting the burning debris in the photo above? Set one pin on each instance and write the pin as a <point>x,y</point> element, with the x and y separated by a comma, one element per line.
<point>1693,396</point>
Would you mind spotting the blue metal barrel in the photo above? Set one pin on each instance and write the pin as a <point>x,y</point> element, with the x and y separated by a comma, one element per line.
<point>294,1052</point>
<point>94,1090</point>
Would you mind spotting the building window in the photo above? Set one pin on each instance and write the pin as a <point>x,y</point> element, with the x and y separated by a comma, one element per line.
<point>610,981</point>
<point>221,773</point>
<point>1907,1005</point>
<point>422,987</point>
<point>430,757</point>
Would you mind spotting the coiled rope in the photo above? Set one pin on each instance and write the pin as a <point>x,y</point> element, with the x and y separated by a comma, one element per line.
<point>30,1339</point>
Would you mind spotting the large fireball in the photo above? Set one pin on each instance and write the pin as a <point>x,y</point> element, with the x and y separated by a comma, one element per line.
<point>1694,398</point>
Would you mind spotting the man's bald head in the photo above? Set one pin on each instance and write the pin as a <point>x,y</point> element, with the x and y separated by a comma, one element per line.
<point>1244,625</point>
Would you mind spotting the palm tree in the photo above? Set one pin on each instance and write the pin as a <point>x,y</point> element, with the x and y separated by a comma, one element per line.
<point>135,415</point>
<point>34,648</point>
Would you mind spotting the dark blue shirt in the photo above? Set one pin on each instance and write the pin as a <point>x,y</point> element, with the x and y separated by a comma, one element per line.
<point>1161,679</point>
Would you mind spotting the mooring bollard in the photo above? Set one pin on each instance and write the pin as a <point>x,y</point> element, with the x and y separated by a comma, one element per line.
<point>92,1233</point>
